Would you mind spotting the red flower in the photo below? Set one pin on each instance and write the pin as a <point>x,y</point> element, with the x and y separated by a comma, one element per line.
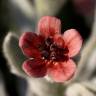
<point>49,52</point>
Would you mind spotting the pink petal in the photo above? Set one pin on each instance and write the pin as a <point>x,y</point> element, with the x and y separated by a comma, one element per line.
<point>48,26</point>
<point>59,40</point>
<point>73,41</point>
<point>63,71</point>
<point>29,42</point>
<point>29,39</point>
<point>31,52</point>
<point>35,67</point>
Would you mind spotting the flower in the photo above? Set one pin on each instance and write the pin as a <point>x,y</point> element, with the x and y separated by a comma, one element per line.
<point>49,52</point>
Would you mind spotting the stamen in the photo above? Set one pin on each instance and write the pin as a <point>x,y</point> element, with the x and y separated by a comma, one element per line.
<point>51,51</point>
<point>45,54</point>
<point>53,55</point>
<point>53,47</point>
<point>48,41</point>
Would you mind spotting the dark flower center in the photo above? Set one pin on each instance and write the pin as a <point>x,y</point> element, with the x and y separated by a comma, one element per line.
<point>50,51</point>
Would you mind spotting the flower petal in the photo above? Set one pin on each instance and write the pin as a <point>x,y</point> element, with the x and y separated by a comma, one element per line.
<point>48,26</point>
<point>73,41</point>
<point>59,40</point>
<point>29,39</point>
<point>31,52</point>
<point>63,71</point>
<point>29,42</point>
<point>35,67</point>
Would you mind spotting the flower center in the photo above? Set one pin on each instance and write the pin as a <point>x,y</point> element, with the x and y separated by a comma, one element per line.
<point>50,51</point>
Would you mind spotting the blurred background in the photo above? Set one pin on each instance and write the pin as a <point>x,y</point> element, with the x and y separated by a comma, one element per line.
<point>18,16</point>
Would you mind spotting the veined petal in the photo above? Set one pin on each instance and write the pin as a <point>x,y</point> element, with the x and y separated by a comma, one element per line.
<point>29,42</point>
<point>29,39</point>
<point>31,52</point>
<point>48,26</point>
<point>63,71</point>
<point>34,68</point>
<point>73,41</point>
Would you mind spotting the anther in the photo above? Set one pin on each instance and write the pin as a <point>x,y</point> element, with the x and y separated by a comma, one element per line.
<point>49,41</point>
<point>45,54</point>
